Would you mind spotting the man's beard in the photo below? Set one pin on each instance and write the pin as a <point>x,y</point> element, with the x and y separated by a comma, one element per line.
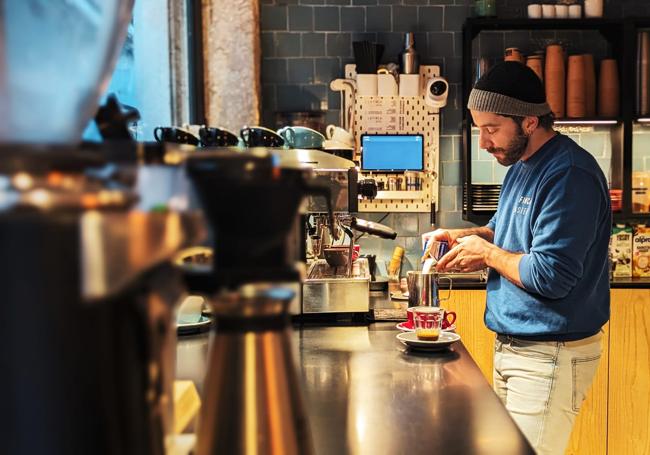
<point>515,149</point>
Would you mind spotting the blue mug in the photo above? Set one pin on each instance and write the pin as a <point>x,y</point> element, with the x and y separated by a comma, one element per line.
<point>301,137</point>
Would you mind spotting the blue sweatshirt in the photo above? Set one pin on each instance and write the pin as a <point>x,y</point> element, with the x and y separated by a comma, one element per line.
<point>554,208</point>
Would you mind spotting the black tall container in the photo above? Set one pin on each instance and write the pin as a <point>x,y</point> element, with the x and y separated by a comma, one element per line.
<point>77,376</point>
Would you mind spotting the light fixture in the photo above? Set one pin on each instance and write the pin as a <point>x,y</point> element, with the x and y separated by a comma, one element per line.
<point>586,122</point>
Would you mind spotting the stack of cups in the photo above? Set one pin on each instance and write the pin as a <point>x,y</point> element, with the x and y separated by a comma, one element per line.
<point>608,88</point>
<point>554,79</point>
<point>590,85</point>
<point>513,54</point>
<point>535,62</point>
<point>575,92</point>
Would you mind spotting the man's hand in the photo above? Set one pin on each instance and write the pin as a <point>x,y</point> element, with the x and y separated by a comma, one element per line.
<point>451,236</point>
<point>443,235</point>
<point>469,255</point>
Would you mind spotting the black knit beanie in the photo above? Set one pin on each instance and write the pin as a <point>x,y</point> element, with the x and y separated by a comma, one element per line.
<point>509,88</point>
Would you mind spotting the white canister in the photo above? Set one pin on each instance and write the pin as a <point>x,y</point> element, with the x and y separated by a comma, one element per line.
<point>386,85</point>
<point>575,11</point>
<point>367,84</point>
<point>535,11</point>
<point>548,11</point>
<point>562,11</point>
<point>409,85</point>
<point>593,8</point>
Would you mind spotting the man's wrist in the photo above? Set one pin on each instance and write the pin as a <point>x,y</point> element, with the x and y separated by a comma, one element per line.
<point>490,255</point>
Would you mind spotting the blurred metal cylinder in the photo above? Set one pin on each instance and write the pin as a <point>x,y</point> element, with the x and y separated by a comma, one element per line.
<point>253,402</point>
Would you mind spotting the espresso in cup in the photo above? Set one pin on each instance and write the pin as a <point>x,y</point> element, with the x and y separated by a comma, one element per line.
<point>448,318</point>
<point>427,322</point>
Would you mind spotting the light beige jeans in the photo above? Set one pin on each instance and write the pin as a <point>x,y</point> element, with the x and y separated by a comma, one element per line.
<point>543,384</point>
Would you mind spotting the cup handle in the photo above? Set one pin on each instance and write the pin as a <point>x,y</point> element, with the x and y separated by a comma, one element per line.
<point>448,290</point>
<point>289,136</point>
<point>156,130</point>
<point>453,319</point>
<point>244,133</point>
<point>330,131</point>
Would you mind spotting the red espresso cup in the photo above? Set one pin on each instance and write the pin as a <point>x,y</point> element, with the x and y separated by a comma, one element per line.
<point>448,320</point>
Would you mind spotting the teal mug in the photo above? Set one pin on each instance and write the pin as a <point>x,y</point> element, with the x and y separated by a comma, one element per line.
<point>301,137</point>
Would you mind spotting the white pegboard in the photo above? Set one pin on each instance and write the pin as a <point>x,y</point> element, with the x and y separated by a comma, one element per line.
<point>399,115</point>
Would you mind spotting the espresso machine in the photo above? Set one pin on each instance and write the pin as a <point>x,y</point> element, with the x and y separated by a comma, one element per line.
<point>88,289</point>
<point>336,280</point>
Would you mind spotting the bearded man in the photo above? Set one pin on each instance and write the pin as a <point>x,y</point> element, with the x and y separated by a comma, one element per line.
<point>547,251</point>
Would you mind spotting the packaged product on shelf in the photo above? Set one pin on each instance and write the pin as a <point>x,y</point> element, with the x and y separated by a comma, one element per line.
<point>641,252</point>
<point>620,251</point>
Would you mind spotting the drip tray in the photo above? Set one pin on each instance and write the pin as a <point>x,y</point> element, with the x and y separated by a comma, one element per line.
<point>328,289</point>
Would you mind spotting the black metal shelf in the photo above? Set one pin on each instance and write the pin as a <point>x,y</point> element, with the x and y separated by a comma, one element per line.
<point>621,36</point>
<point>477,25</point>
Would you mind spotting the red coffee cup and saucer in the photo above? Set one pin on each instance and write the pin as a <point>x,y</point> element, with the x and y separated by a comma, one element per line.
<point>448,323</point>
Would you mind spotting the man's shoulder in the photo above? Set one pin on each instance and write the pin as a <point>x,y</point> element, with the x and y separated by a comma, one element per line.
<point>569,156</point>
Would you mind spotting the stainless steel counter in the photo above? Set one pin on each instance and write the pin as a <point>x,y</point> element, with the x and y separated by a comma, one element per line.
<point>365,393</point>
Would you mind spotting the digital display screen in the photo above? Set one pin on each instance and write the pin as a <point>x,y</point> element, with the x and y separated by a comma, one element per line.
<point>392,153</point>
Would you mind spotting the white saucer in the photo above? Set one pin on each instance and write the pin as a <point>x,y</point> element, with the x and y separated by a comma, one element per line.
<point>411,340</point>
<point>399,295</point>
<point>194,327</point>
<point>403,327</point>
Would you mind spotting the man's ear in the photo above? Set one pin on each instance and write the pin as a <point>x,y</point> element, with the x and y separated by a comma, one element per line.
<point>529,124</point>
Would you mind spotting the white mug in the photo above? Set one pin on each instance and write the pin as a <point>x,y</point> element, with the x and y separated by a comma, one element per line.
<point>337,134</point>
<point>386,85</point>
<point>593,8</point>
<point>409,85</point>
<point>367,84</point>
<point>575,11</point>
<point>562,11</point>
<point>535,11</point>
<point>548,11</point>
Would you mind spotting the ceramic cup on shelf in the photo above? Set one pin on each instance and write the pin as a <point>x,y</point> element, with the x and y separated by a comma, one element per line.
<point>561,11</point>
<point>548,11</point>
<point>301,137</point>
<point>340,135</point>
<point>593,8</point>
<point>534,11</point>
<point>575,11</point>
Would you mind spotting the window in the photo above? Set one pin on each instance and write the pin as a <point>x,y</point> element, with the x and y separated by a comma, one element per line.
<point>151,68</point>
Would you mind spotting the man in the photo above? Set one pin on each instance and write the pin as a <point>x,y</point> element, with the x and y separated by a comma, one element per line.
<point>546,247</point>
